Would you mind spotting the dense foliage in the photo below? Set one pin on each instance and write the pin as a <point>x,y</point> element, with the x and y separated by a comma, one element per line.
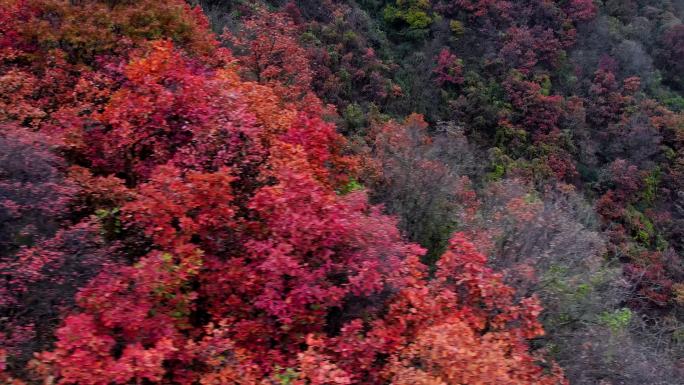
<point>327,192</point>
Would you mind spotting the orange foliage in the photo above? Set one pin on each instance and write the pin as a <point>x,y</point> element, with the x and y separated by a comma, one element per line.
<point>247,266</point>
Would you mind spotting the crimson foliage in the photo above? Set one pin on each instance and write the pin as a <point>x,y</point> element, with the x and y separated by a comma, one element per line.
<point>219,183</point>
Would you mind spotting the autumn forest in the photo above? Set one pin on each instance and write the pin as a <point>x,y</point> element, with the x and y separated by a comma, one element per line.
<point>342,192</point>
